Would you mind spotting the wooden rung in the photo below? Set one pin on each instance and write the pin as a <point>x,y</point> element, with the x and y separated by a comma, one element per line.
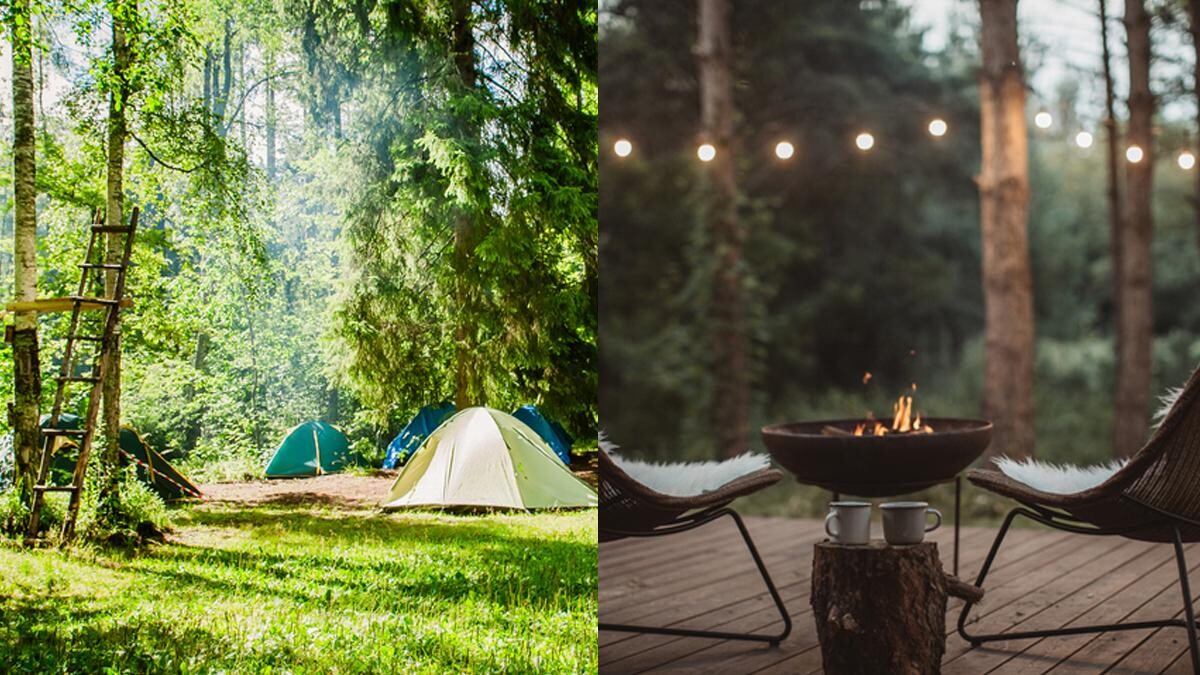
<point>118,229</point>
<point>101,266</point>
<point>77,378</point>
<point>63,432</point>
<point>108,302</point>
<point>88,338</point>
<point>60,305</point>
<point>55,488</point>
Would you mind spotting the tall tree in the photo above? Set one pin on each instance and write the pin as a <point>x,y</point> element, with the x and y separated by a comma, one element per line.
<point>26,377</point>
<point>473,239</point>
<point>124,15</point>
<point>731,395</point>
<point>1004,214</point>
<point>467,231</point>
<point>1116,213</point>
<point>1134,302</point>
<point>1194,29</point>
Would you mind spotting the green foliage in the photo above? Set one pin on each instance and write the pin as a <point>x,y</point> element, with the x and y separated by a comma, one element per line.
<point>264,589</point>
<point>139,512</point>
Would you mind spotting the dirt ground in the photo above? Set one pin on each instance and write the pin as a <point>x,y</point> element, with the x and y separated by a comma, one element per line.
<point>339,490</point>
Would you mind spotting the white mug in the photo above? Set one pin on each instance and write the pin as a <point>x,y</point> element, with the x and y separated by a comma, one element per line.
<point>849,522</point>
<point>904,522</point>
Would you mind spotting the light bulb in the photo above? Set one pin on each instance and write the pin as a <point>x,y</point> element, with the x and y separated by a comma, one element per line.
<point>1134,154</point>
<point>1043,120</point>
<point>622,148</point>
<point>706,152</point>
<point>784,150</point>
<point>864,141</point>
<point>937,127</point>
<point>1186,160</point>
<point>1083,139</point>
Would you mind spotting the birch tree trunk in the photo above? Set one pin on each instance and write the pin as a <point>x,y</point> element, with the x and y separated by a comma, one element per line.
<point>1135,313</point>
<point>731,391</point>
<point>270,116</point>
<point>1004,215</point>
<point>109,497</point>
<point>26,374</point>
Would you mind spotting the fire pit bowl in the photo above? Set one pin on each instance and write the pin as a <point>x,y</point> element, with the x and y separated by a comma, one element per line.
<point>876,466</point>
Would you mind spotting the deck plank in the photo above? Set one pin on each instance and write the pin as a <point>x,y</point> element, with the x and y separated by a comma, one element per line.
<point>1041,655</point>
<point>705,579</point>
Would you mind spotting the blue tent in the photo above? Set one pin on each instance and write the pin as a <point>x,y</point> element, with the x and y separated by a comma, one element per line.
<point>415,432</point>
<point>552,432</point>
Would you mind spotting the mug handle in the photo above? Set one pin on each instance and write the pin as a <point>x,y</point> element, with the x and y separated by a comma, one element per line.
<point>936,525</point>
<point>831,524</point>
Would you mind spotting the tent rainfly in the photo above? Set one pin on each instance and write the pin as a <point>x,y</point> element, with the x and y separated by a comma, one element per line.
<point>310,449</point>
<point>552,432</point>
<point>414,433</point>
<point>484,458</point>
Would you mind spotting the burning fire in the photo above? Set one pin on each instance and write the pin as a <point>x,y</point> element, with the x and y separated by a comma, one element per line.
<point>902,418</point>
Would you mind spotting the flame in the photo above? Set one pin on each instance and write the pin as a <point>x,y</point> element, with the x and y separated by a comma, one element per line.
<point>866,377</point>
<point>903,420</point>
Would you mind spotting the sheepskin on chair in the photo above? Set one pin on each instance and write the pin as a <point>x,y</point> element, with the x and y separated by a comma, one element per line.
<point>687,479</point>
<point>1057,479</point>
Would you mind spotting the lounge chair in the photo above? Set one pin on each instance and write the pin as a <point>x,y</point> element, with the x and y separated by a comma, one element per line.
<point>1154,497</point>
<point>630,509</point>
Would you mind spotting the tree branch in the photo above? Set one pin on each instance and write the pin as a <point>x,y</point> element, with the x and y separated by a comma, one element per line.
<point>164,163</point>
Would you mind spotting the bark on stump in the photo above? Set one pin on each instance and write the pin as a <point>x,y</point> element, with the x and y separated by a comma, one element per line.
<point>879,608</point>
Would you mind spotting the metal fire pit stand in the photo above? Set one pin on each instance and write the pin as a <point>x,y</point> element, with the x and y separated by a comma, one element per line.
<point>957,509</point>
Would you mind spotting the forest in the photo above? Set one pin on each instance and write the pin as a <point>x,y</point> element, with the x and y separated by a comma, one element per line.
<point>347,213</point>
<point>295,259</point>
<point>868,260</point>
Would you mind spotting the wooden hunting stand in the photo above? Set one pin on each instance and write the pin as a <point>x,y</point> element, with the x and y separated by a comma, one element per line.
<point>69,373</point>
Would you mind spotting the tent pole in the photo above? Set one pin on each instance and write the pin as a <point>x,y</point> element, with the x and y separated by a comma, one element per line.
<point>317,445</point>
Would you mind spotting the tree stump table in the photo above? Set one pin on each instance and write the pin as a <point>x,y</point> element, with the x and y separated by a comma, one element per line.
<point>880,608</point>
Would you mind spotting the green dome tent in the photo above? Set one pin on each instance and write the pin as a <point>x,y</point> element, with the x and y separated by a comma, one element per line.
<point>486,458</point>
<point>310,449</point>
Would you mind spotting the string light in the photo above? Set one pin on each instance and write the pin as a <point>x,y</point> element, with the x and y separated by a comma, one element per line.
<point>864,141</point>
<point>784,150</point>
<point>1043,120</point>
<point>622,148</point>
<point>1134,154</point>
<point>706,152</point>
<point>1083,139</point>
<point>1186,160</point>
<point>938,127</point>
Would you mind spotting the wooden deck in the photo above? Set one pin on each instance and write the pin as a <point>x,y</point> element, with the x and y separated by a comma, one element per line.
<point>705,579</point>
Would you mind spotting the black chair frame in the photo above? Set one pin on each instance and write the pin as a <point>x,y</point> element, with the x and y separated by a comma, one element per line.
<point>1064,522</point>
<point>690,522</point>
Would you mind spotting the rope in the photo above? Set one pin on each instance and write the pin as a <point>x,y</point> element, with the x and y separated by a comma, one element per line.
<point>155,472</point>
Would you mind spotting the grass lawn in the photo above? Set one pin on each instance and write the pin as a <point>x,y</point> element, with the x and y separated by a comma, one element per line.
<point>279,588</point>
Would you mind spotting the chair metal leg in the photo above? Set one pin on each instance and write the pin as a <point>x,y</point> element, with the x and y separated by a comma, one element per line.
<point>721,635</point>
<point>1189,623</point>
<point>1185,588</point>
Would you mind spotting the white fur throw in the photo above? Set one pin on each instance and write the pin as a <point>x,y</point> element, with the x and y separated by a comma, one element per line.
<point>687,479</point>
<point>1057,479</point>
<point>1165,403</point>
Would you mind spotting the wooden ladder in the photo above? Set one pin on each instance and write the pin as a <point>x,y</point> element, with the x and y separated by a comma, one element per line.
<point>80,302</point>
